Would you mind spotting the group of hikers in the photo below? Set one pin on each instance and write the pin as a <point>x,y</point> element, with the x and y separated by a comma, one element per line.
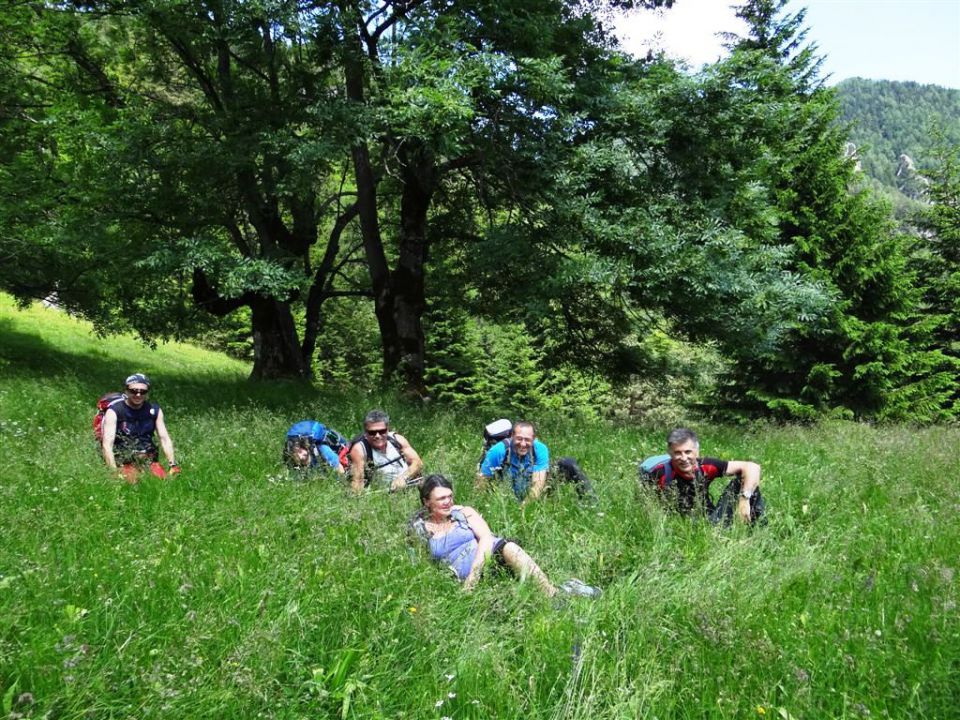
<point>456,535</point>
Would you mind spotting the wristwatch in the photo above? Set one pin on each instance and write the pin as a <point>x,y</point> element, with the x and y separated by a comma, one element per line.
<point>745,494</point>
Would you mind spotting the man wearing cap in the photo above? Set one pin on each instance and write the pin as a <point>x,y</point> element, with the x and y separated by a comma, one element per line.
<point>128,427</point>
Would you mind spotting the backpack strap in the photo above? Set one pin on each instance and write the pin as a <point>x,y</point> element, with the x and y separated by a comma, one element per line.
<point>417,526</point>
<point>667,478</point>
<point>509,449</point>
<point>119,408</point>
<point>369,466</point>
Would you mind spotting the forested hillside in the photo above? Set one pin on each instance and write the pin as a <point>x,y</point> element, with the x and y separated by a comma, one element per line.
<point>889,119</point>
<point>485,204</point>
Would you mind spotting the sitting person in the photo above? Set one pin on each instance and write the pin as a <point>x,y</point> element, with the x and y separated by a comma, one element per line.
<point>129,424</point>
<point>382,457</point>
<point>460,538</point>
<point>683,478</point>
<point>310,445</point>
<point>526,461</point>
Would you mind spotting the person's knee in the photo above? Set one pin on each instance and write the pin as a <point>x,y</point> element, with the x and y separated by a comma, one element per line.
<point>568,464</point>
<point>512,552</point>
<point>569,470</point>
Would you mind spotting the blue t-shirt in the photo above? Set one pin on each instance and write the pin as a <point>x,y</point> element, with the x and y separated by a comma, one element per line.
<point>518,468</point>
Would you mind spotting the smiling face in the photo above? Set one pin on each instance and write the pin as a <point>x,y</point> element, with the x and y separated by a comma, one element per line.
<point>300,456</point>
<point>439,503</point>
<point>522,439</point>
<point>376,433</point>
<point>137,394</point>
<point>684,457</point>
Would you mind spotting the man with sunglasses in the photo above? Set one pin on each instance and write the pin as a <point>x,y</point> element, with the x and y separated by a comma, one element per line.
<point>381,457</point>
<point>129,424</point>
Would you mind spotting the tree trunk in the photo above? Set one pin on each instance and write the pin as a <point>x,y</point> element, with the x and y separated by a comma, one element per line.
<point>418,172</point>
<point>380,280</point>
<point>275,343</point>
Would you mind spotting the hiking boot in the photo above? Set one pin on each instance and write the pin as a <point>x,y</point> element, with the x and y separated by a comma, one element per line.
<point>573,586</point>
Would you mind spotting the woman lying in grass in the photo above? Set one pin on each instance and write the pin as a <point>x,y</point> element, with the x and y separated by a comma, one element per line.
<point>459,537</point>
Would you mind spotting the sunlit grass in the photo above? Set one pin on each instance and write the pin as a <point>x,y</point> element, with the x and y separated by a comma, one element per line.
<point>231,593</point>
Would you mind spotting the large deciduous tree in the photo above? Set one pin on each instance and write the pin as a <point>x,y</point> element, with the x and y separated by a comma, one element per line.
<point>196,145</point>
<point>209,141</point>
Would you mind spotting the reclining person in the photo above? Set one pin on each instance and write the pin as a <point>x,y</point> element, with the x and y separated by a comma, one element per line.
<point>311,445</point>
<point>684,479</point>
<point>460,538</point>
<point>381,457</point>
<point>526,461</point>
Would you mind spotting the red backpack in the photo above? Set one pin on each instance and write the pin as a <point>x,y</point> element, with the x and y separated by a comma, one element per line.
<point>103,403</point>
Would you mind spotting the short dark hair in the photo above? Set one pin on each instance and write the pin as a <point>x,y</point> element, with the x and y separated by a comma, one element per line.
<point>523,423</point>
<point>430,483</point>
<point>678,436</point>
<point>376,416</point>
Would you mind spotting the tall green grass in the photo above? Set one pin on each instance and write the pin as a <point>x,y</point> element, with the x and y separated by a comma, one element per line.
<point>233,592</point>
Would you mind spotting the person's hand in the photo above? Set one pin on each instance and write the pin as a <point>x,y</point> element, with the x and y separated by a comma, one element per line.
<point>743,509</point>
<point>398,484</point>
<point>174,469</point>
<point>470,582</point>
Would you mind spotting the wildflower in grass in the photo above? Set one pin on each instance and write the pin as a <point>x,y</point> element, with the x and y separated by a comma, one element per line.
<point>450,677</point>
<point>761,710</point>
<point>413,610</point>
<point>438,703</point>
<point>451,695</point>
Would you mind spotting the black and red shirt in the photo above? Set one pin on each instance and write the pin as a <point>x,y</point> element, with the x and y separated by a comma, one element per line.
<point>689,492</point>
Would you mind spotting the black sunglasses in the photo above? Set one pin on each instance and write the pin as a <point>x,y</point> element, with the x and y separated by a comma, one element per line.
<point>374,433</point>
<point>137,391</point>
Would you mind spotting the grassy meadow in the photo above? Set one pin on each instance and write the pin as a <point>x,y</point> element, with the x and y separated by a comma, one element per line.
<point>231,591</point>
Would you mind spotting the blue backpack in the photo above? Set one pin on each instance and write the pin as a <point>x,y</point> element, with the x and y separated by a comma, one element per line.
<point>311,434</point>
<point>649,465</point>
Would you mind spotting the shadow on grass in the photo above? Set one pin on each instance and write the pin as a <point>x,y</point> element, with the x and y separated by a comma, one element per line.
<point>26,356</point>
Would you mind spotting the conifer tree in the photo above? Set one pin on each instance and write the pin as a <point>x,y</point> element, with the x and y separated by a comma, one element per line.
<point>866,356</point>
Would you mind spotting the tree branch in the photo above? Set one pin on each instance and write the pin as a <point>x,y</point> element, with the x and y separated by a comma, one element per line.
<point>205,296</point>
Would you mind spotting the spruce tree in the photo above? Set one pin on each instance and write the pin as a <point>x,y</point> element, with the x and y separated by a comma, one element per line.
<point>866,356</point>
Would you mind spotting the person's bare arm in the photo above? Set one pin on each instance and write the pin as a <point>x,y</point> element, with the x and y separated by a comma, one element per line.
<point>358,462</point>
<point>165,442</point>
<point>538,482</point>
<point>414,464</point>
<point>749,482</point>
<point>108,430</point>
<point>484,545</point>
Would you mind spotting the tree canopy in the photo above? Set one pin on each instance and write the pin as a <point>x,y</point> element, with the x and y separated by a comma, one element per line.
<point>493,182</point>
